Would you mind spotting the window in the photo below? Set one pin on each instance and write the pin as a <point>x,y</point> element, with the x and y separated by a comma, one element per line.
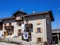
<point>5,33</point>
<point>9,29</point>
<point>19,32</point>
<point>38,30</point>
<point>29,29</point>
<point>10,32</point>
<point>20,15</point>
<point>27,21</point>
<point>38,40</point>
<point>1,25</point>
<point>19,23</point>
<point>7,24</point>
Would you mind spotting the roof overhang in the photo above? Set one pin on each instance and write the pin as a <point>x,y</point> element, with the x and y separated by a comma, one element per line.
<point>42,13</point>
<point>34,14</point>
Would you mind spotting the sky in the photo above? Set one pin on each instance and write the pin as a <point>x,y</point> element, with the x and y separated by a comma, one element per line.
<point>8,7</point>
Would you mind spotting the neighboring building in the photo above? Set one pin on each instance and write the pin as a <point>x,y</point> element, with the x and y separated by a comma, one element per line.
<point>38,26</point>
<point>56,36</point>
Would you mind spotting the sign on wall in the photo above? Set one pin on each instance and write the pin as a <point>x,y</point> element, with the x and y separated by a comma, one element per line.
<point>25,35</point>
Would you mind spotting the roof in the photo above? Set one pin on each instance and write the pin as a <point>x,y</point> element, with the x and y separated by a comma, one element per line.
<point>8,18</point>
<point>47,12</point>
<point>34,14</point>
<point>19,12</point>
<point>56,30</point>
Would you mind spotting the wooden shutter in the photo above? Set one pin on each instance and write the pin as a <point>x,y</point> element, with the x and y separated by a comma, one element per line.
<point>36,30</point>
<point>41,30</point>
<point>38,21</point>
<point>38,40</point>
<point>41,39</point>
<point>5,34</point>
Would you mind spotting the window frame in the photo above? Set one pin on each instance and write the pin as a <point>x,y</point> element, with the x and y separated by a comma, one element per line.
<point>19,32</point>
<point>38,30</point>
<point>19,23</point>
<point>39,39</point>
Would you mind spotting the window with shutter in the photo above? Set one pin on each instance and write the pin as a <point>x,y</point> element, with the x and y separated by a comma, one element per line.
<point>19,23</point>
<point>9,30</point>
<point>19,32</point>
<point>39,40</point>
<point>38,30</point>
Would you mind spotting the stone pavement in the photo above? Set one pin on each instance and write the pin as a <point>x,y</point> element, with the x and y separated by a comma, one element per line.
<point>4,43</point>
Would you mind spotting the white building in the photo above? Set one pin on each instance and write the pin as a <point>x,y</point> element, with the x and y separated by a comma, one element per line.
<point>38,26</point>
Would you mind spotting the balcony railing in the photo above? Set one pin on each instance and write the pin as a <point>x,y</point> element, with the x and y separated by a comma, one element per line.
<point>28,25</point>
<point>8,27</point>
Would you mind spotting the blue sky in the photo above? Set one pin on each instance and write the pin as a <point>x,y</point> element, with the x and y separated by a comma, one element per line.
<point>8,7</point>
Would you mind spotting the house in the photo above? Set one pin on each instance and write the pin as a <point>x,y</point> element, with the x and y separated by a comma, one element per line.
<point>56,36</point>
<point>36,25</point>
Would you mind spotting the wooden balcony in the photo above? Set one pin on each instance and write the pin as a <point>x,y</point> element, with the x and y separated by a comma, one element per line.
<point>9,27</point>
<point>28,25</point>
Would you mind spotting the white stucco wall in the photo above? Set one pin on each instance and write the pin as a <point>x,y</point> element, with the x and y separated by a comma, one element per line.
<point>34,21</point>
